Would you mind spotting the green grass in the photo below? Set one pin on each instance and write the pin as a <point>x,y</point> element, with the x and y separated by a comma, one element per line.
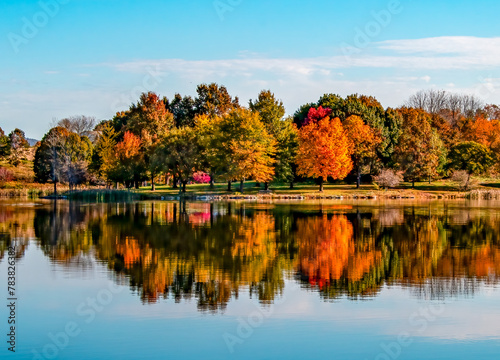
<point>435,188</point>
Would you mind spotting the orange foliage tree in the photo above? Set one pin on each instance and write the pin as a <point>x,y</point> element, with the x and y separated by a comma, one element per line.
<point>324,150</point>
<point>364,140</point>
<point>485,132</point>
<point>129,163</point>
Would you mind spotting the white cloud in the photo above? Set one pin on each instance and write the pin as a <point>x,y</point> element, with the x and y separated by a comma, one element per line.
<point>439,53</point>
<point>389,70</point>
<point>444,45</point>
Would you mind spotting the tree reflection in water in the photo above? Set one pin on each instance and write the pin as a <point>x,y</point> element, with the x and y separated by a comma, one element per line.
<point>212,251</point>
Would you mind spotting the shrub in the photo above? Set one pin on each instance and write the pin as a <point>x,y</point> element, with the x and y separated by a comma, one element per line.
<point>6,175</point>
<point>388,178</point>
<point>463,180</point>
<point>201,177</point>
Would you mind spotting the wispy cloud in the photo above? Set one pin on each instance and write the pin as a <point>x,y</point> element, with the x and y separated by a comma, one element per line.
<point>444,45</point>
<point>438,53</point>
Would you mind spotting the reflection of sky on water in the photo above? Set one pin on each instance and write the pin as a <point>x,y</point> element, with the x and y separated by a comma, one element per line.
<point>300,325</point>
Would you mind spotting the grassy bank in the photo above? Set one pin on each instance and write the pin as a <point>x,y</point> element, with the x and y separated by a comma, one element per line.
<point>437,189</point>
<point>487,189</point>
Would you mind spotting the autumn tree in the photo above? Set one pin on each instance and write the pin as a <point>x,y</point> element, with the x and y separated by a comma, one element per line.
<point>150,120</point>
<point>18,139</point>
<point>18,145</point>
<point>386,122</point>
<point>62,156</point>
<point>238,147</point>
<point>324,150</point>
<point>484,131</point>
<point>420,152</point>
<point>149,115</point>
<point>129,165</point>
<point>363,142</point>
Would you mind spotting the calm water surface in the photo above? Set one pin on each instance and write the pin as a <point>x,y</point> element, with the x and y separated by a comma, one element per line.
<point>332,280</point>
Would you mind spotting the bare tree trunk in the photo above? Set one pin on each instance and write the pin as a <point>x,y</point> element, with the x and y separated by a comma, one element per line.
<point>291,185</point>
<point>174,182</point>
<point>241,185</point>
<point>184,186</point>
<point>153,183</point>
<point>320,184</point>
<point>229,186</point>
<point>266,186</point>
<point>55,188</point>
<point>211,181</point>
<point>358,177</point>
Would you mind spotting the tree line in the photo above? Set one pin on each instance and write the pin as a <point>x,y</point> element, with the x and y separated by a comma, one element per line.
<point>211,137</point>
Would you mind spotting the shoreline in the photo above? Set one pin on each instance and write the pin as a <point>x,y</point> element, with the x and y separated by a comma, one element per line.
<point>302,192</point>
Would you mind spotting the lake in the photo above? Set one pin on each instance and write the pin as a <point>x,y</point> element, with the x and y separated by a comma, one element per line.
<point>292,280</point>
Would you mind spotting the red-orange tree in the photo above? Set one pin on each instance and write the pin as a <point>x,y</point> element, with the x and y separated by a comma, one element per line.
<point>364,141</point>
<point>324,150</point>
<point>129,163</point>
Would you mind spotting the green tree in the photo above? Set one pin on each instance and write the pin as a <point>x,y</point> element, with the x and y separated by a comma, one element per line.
<point>183,110</point>
<point>472,157</point>
<point>214,100</point>
<point>179,152</point>
<point>4,144</point>
<point>271,113</point>
<point>301,114</point>
<point>104,152</point>
<point>287,147</point>
<point>270,109</point>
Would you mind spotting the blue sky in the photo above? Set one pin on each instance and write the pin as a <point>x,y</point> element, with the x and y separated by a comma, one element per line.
<point>94,57</point>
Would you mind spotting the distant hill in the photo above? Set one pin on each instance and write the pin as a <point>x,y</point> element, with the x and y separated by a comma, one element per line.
<point>32,142</point>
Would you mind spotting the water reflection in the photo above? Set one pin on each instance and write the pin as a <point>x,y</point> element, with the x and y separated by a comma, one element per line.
<point>212,252</point>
